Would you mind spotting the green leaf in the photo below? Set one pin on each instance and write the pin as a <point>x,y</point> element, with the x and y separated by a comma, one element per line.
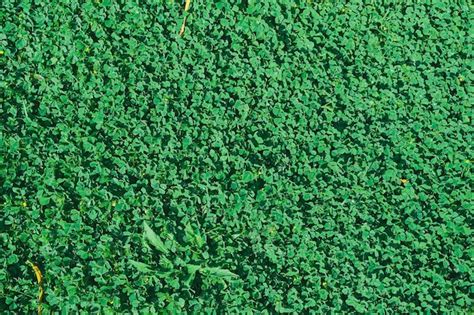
<point>218,272</point>
<point>192,269</point>
<point>142,267</point>
<point>44,201</point>
<point>21,43</point>
<point>247,177</point>
<point>193,237</point>
<point>154,239</point>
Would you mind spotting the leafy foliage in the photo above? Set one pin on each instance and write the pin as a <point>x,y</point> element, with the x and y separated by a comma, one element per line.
<point>279,157</point>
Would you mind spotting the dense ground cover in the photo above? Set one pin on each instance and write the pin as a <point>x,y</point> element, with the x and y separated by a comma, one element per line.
<point>280,156</point>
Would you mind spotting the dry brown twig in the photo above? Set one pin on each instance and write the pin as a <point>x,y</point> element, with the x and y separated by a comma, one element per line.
<point>187,4</point>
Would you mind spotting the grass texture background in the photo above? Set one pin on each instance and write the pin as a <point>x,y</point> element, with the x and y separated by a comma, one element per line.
<point>278,157</point>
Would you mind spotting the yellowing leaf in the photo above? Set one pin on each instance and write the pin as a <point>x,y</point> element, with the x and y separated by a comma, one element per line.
<point>39,279</point>
<point>38,274</point>
<point>186,8</point>
<point>187,5</point>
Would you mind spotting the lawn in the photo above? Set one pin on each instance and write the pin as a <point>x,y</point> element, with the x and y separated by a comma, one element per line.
<point>236,157</point>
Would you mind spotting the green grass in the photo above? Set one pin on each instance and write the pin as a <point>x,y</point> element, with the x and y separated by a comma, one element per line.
<point>279,157</point>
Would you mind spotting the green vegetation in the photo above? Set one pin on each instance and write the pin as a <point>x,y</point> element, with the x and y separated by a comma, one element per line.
<point>278,157</point>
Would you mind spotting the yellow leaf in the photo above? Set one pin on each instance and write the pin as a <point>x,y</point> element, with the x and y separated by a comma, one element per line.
<point>39,279</point>
<point>38,274</point>
<point>187,5</point>
<point>181,31</point>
